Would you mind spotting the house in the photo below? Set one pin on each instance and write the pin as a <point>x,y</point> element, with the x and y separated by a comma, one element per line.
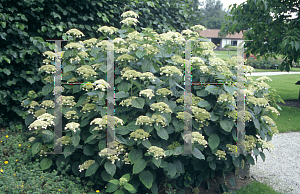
<point>212,35</point>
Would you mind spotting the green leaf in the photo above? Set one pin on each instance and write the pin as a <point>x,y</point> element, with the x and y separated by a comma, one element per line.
<point>139,53</point>
<point>256,123</point>
<point>157,161</point>
<point>230,89</point>
<point>69,68</point>
<point>227,125</point>
<point>114,181</point>
<point>110,168</point>
<point>146,178</point>
<point>88,150</point>
<point>47,136</point>
<point>47,89</point>
<point>197,153</point>
<point>76,88</point>
<point>213,141</point>
<point>213,117</point>
<point>121,94</point>
<point>69,150</point>
<point>138,103</point>
<point>203,103</point>
<point>212,165</point>
<point>126,176</point>
<point>111,188</point>
<point>162,133</point>
<point>171,169</point>
<point>75,139</point>
<point>212,89</point>
<point>129,188</point>
<point>135,155</point>
<point>90,138</point>
<point>7,60</point>
<point>123,86</point>
<point>262,155</point>
<point>250,160</point>
<point>146,66</point>
<point>6,71</point>
<point>37,146</point>
<point>28,119</point>
<point>45,163</point>
<point>119,192</point>
<point>85,122</point>
<point>139,166</point>
<point>255,151</point>
<point>202,93</point>
<point>92,169</point>
<point>146,143</point>
<point>232,182</point>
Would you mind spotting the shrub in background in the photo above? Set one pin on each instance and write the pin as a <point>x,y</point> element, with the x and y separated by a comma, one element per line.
<point>149,111</point>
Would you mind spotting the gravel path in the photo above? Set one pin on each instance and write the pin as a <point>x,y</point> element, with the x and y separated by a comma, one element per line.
<point>281,169</point>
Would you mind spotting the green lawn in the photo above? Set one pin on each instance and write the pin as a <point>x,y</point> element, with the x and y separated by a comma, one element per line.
<point>224,54</point>
<point>276,70</point>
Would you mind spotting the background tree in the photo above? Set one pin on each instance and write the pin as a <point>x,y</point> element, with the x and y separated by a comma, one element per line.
<point>213,14</point>
<point>271,35</point>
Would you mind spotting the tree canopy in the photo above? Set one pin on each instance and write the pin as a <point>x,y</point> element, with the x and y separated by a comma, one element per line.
<point>272,34</point>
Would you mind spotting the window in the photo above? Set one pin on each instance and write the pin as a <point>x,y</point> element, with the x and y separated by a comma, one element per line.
<point>234,43</point>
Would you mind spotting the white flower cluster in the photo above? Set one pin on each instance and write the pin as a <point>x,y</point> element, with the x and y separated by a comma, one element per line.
<point>164,92</point>
<point>141,120</point>
<point>42,121</point>
<point>231,114</point>
<point>169,36</point>
<point>139,134</point>
<point>272,109</point>
<point>219,64</point>
<point>75,60</point>
<point>159,119</point>
<point>130,21</point>
<point>90,42</point>
<point>198,27</point>
<point>257,101</point>
<point>135,35</point>
<point>131,74</point>
<point>48,68</point>
<point>197,60</point>
<point>250,142</point>
<point>86,71</point>
<point>207,45</point>
<point>147,92</point>
<point>76,32</point>
<point>97,65</point>
<point>65,140</point>
<point>205,69</point>
<point>127,102</point>
<point>101,84</point>
<point>31,105</point>
<point>221,154</point>
<point>119,40</point>
<point>110,30</point>
<point>195,100</point>
<point>248,69</point>
<point>102,122</point>
<point>86,165</point>
<point>74,45</point>
<point>178,60</point>
<point>226,98</point>
<point>199,138</point>
<point>261,85</point>
<point>208,53</point>
<point>263,79</point>
<point>150,50</point>
<point>46,61</point>
<point>113,154</point>
<point>248,92</point>
<point>268,121</point>
<point>133,46</point>
<point>73,126</point>
<point>126,57</point>
<point>180,115</point>
<point>161,106</point>
<point>129,14</point>
<point>83,54</point>
<point>87,87</point>
<point>121,50</point>
<point>68,101</point>
<point>148,75</point>
<point>170,70</point>
<point>188,32</point>
<point>47,103</point>
<point>50,55</point>
<point>71,115</point>
<point>200,114</point>
<point>157,152</point>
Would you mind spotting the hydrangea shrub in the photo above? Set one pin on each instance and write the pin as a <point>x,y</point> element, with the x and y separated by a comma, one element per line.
<point>149,111</point>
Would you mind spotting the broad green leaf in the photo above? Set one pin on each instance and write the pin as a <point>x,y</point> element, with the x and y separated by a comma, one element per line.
<point>138,103</point>
<point>105,176</point>
<point>262,155</point>
<point>171,169</point>
<point>129,188</point>
<point>90,138</point>
<point>81,100</point>
<point>75,139</point>
<point>92,169</point>
<point>212,165</point>
<point>213,141</point>
<point>203,103</point>
<point>202,93</point>
<point>37,146</point>
<point>213,117</point>
<point>179,166</point>
<point>250,160</point>
<point>123,86</point>
<point>88,150</point>
<point>47,136</point>
<point>139,166</point>
<point>47,89</point>
<point>69,68</point>
<point>227,125</point>
<point>46,163</point>
<point>114,181</point>
<point>30,80</point>
<point>139,54</point>
<point>162,133</point>
<point>212,89</point>
<point>197,153</point>
<point>6,71</point>
<point>256,123</point>
<point>135,155</point>
<point>146,143</point>
<point>119,192</point>
<point>157,161</point>
<point>121,94</point>
<point>29,119</point>
<point>146,65</point>
<point>110,168</point>
<point>154,188</point>
<point>126,176</point>
<point>146,178</point>
<point>69,149</point>
<point>85,122</point>
<point>111,188</point>
<point>255,151</point>
<point>230,89</point>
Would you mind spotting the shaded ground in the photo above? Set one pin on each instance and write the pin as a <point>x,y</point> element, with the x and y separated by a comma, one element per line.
<point>291,103</point>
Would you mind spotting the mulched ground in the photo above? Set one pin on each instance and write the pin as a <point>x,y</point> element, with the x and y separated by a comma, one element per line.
<point>291,103</point>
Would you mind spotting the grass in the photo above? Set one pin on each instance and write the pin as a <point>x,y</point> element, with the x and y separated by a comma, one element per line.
<point>224,54</point>
<point>294,69</point>
<point>20,173</point>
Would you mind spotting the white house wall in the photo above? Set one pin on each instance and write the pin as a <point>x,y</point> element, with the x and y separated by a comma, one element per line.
<point>224,42</point>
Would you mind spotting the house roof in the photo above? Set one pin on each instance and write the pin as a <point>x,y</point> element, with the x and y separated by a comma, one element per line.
<point>213,33</point>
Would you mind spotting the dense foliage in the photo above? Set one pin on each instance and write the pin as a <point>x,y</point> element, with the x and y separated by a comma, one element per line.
<point>26,25</point>
<point>149,111</point>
